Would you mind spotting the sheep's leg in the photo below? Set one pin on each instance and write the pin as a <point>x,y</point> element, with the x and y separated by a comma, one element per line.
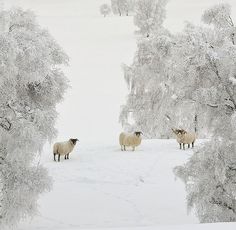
<point>54,156</point>
<point>133,148</point>
<point>183,146</point>
<point>65,157</point>
<point>188,145</point>
<point>180,146</point>
<point>193,145</point>
<point>121,148</point>
<point>124,148</point>
<point>59,157</point>
<point>68,156</point>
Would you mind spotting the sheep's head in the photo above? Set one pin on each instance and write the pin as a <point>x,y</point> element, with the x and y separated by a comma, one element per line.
<point>179,132</point>
<point>138,134</point>
<point>74,141</point>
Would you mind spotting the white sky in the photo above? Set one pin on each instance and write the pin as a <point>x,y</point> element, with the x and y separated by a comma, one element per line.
<point>97,47</point>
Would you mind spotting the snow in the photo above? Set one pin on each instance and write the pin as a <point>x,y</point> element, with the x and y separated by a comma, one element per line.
<point>101,186</point>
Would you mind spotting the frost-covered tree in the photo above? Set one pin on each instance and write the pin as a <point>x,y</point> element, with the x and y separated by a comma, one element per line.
<point>210,174</point>
<point>155,102</point>
<point>105,9</point>
<point>31,84</point>
<point>149,89</point>
<point>122,7</point>
<point>149,15</point>
<point>168,83</point>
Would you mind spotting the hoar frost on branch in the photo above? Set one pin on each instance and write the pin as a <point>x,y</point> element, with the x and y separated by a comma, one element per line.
<point>31,85</point>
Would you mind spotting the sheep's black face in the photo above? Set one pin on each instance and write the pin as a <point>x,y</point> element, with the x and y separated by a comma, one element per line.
<point>179,132</point>
<point>74,141</point>
<point>138,134</point>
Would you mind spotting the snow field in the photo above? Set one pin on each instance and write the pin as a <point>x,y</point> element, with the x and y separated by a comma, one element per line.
<point>102,187</point>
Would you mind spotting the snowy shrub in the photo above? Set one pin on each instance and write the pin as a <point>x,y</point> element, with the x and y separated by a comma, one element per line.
<point>105,9</point>
<point>31,85</point>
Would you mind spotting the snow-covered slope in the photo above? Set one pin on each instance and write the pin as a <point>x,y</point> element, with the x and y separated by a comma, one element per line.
<point>101,186</point>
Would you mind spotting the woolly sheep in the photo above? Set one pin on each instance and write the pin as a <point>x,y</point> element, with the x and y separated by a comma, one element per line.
<point>64,148</point>
<point>183,137</point>
<point>130,139</point>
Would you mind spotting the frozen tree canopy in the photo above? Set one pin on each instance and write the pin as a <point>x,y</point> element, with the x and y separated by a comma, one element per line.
<point>31,85</point>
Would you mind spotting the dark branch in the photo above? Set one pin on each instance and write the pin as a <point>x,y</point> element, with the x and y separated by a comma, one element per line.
<point>222,204</point>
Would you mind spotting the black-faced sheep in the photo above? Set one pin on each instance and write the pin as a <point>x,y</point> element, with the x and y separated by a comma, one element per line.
<point>130,139</point>
<point>183,137</point>
<point>64,148</point>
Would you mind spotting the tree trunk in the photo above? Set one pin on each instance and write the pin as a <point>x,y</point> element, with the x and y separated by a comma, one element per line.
<point>195,123</point>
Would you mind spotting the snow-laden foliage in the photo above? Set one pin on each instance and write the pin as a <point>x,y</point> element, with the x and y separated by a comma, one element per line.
<point>122,7</point>
<point>31,84</point>
<point>158,87</point>
<point>150,91</point>
<point>105,9</point>
<point>147,78</point>
<point>149,15</point>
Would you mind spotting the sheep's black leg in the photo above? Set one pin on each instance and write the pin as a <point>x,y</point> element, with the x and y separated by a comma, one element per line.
<point>59,157</point>
<point>124,148</point>
<point>183,146</point>
<point>54,156</point>
<point>68,156</point>
<point>188,145</point>
<point>65,157</point>
<point>193,145</point>
<point>180,146</point>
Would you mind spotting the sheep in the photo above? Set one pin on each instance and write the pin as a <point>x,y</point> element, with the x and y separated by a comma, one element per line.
<point>64,148</point>
<point>183,137</point>
<point>130,139</point>
<point>178,133</point>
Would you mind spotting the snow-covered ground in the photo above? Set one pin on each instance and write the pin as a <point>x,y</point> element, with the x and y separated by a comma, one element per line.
<point>101,186</point>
